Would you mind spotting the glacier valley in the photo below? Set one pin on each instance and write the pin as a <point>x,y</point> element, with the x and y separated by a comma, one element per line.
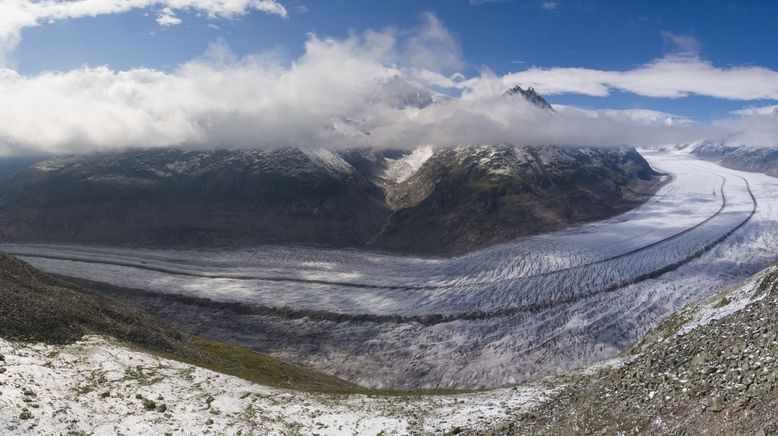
<point>498,316</point>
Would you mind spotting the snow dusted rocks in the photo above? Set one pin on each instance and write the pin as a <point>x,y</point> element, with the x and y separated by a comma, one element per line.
<point>99,387</point>
<point>711,368</point>
<point>747,158</point>
<point>399,170</point>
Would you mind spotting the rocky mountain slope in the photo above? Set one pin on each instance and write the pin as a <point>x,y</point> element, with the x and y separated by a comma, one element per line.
<point>711,368</point>
<point>471,196</point>
<point>424,200</point>
<point>759,159</point>
<point>36,307</point>
<point>174,197</point>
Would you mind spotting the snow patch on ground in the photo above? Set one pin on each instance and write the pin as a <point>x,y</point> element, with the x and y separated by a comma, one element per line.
<point>100,387</point>
<point>330,160</point>
<point>400,170</point>
<point>732,301</point>
<point>54,164</point>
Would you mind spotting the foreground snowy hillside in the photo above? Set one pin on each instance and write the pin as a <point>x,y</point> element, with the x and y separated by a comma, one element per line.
<point>97,386</point>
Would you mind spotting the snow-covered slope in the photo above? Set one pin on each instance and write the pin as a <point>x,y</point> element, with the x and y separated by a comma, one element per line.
<point>763,159</point>
<point>399,93</point>
<point>399,170</point>
<point>101,387</point>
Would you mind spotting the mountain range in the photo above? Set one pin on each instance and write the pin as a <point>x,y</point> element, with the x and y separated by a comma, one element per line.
<point>433,200</point>
<point>424,200</point>
<point>746,158</point>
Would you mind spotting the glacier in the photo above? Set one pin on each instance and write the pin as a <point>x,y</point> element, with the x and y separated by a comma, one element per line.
<point>506,314</point>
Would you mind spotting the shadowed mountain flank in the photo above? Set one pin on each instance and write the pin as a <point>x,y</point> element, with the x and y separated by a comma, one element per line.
<point>426,200</point>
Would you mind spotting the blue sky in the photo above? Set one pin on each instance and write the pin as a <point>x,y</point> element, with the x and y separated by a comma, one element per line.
<point>701,60</point>
<point>504,36</point>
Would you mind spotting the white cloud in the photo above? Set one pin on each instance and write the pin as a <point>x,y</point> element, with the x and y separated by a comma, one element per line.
<point>670,77</point>
<point>217,100</point>
<point>16,15</point>
<point>167,17</point>
<point>322,99</point>
<point>549,5</point>
<point>751,131</point>
<point>432,47</point>
<point>757,111</point>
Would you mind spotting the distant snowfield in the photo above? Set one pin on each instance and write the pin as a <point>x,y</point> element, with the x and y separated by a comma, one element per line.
<point>92,387</point>
<point>501,315</point>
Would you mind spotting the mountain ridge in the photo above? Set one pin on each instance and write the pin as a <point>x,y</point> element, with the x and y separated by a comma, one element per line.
<point>206,198</point>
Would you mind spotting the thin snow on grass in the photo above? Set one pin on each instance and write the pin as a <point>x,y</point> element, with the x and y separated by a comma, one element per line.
<point>100,387</point>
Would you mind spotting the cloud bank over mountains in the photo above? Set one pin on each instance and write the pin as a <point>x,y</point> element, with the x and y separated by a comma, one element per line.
<point>327,96</point>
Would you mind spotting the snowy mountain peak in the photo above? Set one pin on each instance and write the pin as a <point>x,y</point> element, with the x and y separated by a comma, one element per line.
<point>531,96</point>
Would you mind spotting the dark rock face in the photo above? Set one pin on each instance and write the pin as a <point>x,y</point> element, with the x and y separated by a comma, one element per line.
<point>531,96</point>
<point>757,159</point>
<point>460,198</point>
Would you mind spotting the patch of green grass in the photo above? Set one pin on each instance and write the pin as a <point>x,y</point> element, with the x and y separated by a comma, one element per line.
<point>262,369</point>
